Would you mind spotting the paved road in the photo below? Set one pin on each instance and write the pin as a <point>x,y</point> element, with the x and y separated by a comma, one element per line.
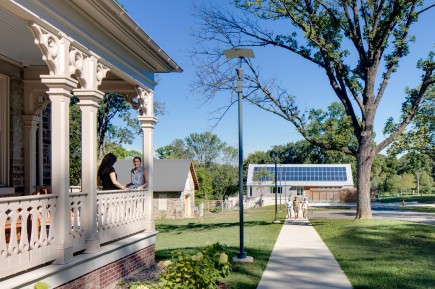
<point>379,212</point>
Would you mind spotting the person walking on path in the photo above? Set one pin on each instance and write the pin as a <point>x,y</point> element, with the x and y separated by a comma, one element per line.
<point>296,207</point>
<point>304,208</point>
<point>289,208</point>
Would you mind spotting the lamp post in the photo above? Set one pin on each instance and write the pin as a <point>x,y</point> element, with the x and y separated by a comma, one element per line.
<point>280,194</point>
<point>240,53</point>
<point>276,189</point>
<point>418,181</point>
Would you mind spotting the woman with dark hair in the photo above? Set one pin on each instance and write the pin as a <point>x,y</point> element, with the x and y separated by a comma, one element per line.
<point>107,173</point>
<point>139,178</point>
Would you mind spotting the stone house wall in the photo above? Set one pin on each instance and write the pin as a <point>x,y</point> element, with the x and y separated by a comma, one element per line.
<point>172,202</point>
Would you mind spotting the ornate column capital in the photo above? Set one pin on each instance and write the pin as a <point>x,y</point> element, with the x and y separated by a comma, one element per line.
<point>59,85</point>
<point>147,121</point>
<point>88,97</point>
<point>66,58</point>
<point>30,120</point>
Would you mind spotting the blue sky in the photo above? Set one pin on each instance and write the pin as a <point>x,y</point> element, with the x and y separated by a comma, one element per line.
<point>170,23</point>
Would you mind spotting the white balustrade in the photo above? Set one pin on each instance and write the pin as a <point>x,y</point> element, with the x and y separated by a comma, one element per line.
<point>120,213</point>
<point>26,232</point>
<point>27,225</point>
<point>78,239</point>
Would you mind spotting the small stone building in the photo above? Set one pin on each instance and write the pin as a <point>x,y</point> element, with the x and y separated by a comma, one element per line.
<point>175,182</point>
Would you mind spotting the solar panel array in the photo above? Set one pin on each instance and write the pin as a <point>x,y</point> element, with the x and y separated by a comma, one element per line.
<point>300,174</point>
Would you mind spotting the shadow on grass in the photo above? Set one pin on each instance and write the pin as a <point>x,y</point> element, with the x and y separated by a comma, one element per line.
<point>164,228</point>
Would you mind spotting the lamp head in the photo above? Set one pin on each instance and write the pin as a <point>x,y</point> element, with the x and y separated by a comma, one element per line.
<point>239,53</point>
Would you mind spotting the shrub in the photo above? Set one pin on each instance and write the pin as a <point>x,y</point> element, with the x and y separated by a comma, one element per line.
<point>201,270</point>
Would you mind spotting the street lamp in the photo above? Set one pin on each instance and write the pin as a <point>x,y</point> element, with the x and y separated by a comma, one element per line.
<point>280,184</point>
<point>240,53</point>
<point>418,181</point>
<point>276,189</point>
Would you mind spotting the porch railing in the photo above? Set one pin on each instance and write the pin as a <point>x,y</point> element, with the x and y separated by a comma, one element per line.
<point>27,225</point>
<point>120,214</point>
<point>26,240</point>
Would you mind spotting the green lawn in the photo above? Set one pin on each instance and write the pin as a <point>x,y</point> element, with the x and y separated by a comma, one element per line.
<point>420,209</point>
<point>425,199</point>
<point>376,253</point>
<point>382,253</point>
<point>260,237</point>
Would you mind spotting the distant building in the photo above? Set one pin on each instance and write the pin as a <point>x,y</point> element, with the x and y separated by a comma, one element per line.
<point>320,183</point>
<point>175,182</point>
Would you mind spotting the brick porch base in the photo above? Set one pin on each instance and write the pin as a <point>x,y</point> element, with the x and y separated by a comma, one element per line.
<point>107,276</point>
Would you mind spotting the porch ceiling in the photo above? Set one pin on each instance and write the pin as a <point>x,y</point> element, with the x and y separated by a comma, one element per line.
<point>103,27</point>
<point>17,41</point>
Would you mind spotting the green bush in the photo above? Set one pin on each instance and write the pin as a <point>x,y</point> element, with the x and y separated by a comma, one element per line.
<point>202,270</point>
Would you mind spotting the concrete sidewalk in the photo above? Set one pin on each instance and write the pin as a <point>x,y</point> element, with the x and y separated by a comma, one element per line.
<point>301,260</point>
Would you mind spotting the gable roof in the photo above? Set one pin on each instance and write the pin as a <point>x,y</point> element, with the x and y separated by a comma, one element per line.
<point>169,175</point>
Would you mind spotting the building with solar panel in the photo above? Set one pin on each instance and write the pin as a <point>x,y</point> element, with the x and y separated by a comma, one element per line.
<point>320,183</point>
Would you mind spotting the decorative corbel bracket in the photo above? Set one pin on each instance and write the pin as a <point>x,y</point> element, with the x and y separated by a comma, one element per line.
<point>54,48</point>
<point>77,65</point>
<point>41,102</point>
<point>86,68</point>
<point>142,102</point>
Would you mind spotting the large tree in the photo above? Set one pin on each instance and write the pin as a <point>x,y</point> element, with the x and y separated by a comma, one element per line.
<point>421,135</point>
<point>358,44</point>
<point>204,148</point>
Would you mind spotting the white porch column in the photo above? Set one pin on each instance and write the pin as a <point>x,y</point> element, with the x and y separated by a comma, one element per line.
<point>60,94</point>
<point>55,47</point>
<point>35,102</point>
<point>143,102</point>
<point>30,128</point>
<point>147,125</point>
<point>89,107</point>
<point>41,150</point>
<point>89,73</point>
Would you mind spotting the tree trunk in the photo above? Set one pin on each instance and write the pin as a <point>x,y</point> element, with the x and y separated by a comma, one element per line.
<point>364,161</point>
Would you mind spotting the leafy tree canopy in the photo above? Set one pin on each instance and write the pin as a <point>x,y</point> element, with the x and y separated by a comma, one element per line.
<point>204,148</point>
<point>358,44</point>
<point>421,136</point>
